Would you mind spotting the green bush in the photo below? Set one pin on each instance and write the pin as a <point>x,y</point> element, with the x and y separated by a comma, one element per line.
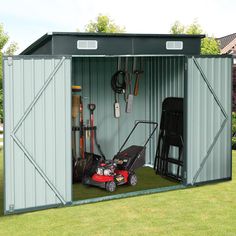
<point>234,130</point>
<point>1,106</point>
<point>234,143</point>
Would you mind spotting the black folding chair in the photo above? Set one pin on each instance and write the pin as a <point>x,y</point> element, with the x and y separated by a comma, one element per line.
<point>170,135</point>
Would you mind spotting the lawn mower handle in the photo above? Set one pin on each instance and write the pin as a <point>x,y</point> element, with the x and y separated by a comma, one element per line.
<point>137,122</point>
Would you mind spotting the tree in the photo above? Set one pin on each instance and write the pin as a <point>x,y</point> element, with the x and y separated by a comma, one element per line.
<point>3,37</point>
<point>209,45</point>
<point>11,49</point>
<point>177,28</point>
<point>104,24</point>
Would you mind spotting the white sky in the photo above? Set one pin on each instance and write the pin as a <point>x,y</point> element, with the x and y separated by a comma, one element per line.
<point>25,20</point>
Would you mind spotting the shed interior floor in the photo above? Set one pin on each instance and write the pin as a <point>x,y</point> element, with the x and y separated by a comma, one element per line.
<point>147,179</point>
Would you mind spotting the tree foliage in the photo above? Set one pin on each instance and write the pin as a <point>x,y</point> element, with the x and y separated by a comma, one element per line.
<point>209,45</point>
<point>104,24</point>
<point>3,37</point>
<point>11,49</point>
<point>177,28</point>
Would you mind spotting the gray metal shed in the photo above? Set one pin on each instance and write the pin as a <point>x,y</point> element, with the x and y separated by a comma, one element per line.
<point>37,109</point>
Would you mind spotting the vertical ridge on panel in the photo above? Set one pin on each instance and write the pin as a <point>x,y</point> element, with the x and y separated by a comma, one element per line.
<point>152,115</point>
<point>39,137</point>
<point>149,106</point>
<point>110,103</point>
<point>18,155</point>
<point>29,134</point>
<point>8,143</point>
<point>95,91</point>
<point>229,108</point>
<point>209,111</point>
<point>78,80</point>
<point>189,121</point>
<point>215,164</point>
<point>54,99</point>
<point>44,130</point>
<point>23,129</point>
<point>50,133</point>
<point>201,107</point>
<point>60,132</point>
<point>68,157</point>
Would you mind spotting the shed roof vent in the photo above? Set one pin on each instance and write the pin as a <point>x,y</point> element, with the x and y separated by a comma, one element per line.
<point>87,44</point>
<point>174,45</point>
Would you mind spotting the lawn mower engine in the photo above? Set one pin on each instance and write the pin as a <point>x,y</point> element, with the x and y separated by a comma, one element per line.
<point>106,169</point>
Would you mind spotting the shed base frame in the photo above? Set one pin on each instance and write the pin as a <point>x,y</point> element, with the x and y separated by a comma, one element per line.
<point>119,196</point>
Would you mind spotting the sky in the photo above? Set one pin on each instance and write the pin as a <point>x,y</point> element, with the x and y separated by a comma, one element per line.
<point>25,21</point>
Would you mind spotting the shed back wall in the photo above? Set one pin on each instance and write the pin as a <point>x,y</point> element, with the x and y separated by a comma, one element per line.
<point>163,77</point>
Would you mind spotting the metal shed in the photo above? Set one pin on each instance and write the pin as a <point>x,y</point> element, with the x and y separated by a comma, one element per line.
<point>37,109</point>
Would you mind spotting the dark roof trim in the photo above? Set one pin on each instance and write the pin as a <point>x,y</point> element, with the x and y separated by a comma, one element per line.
<point>128,35</point>
<point>49,36</point>
<point>36,44</point>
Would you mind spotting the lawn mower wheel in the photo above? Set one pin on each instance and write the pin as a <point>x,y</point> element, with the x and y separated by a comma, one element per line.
<point>111,186</point>
<point>132,179</point>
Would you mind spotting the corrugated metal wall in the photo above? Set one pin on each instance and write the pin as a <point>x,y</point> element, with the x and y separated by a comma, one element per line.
<point>163,77</point>
<point>206,119</point>
<point>43,132</point>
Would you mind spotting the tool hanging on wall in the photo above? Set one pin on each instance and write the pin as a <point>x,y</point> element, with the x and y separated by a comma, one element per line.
<point>118,85</point>
<point>138,72</point>
<point>121,83</point>
<point>91,108</point>
<point>128,91</point>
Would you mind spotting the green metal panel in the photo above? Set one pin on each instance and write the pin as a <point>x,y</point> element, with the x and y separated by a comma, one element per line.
<point>163,77</point>
<point>208,98</point>
<point>37,146</point>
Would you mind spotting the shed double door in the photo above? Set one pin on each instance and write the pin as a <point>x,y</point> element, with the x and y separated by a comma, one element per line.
<point>208,117</point>
<point>37,126</point>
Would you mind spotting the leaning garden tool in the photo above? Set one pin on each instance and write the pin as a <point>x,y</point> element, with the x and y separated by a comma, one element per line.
<point>91,108</point>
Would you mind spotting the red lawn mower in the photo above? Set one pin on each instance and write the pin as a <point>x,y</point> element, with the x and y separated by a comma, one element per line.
<point>108,174</point>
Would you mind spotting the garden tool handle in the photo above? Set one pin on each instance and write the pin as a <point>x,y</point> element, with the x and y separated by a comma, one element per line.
<point>136,86</point>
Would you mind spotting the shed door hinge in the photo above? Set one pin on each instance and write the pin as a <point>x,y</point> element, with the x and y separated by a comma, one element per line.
<point>185,175</point>
<point>11,207</point>
<point>9,61</point>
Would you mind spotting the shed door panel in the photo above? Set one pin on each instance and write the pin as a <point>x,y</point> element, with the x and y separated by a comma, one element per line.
<point>37,132</point>
<point>208,89</point>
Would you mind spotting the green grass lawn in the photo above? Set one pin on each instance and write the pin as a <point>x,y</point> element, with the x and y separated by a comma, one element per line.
<point>206,210</point>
